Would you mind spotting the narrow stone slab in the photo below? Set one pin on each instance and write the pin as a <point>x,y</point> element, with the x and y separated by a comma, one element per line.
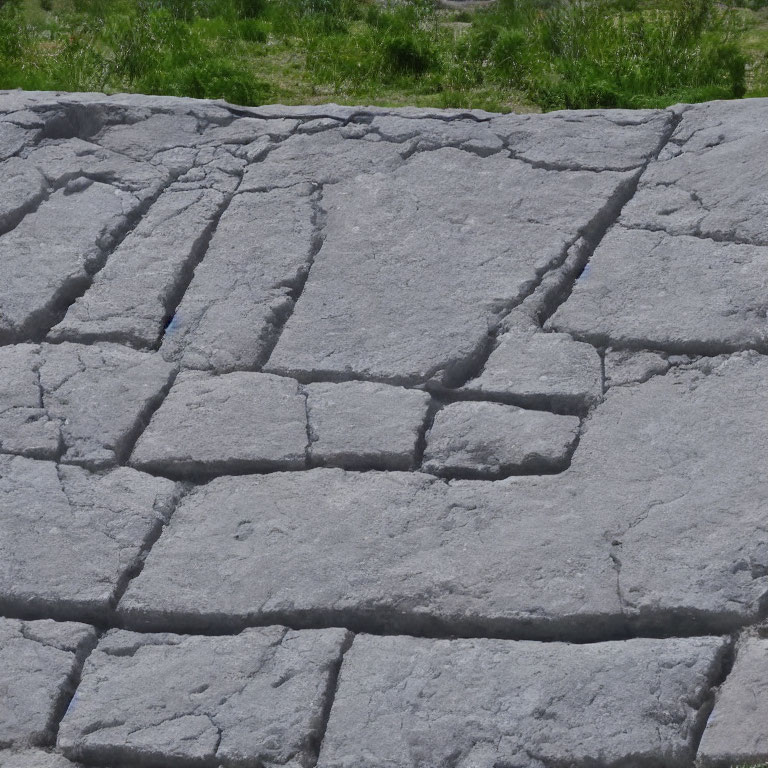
<point>658,522</point>
<point>598,140</point>
<point>685,295</point>
<point>23,188</point>
<point>362,425</point>
<point>429,134</point>
<point>34,758</point>
<point>484,703</point>
<point>143,139</point>
<point>241,293</point>
<point>490,440</point>
<point>258,698</point>
<point>237,422</point>
<point>710,179</point>
<point>383,301</point>
<point>101,396</point>
<point>38,663</point>
<point>541,370</point>
<point>68,539</point>
<point>735,732</point>
<point>132,298</point>
<point>26,428</point>
<point>48,258</point>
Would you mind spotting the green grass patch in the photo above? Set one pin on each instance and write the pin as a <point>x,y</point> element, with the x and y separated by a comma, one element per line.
<point>516,54</point>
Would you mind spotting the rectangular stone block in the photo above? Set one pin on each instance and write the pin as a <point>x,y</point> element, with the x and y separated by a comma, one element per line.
<point>256,699</point>
<point>491,440</point>
<point>362,425</point>
<point>540,370</point>
<point>39,661</point>
<point>405,702</point>
<point>69,539</point>
<point>233,423</point>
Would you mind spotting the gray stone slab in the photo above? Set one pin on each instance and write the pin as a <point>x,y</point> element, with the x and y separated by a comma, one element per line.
<point>362,425</point>
<point>69,539</point>
<point>324,158</point>
<point>428,134</point>
<point>132,298</point>
<point>710,179</point>
<point>38,664</point>
<point>13,138</point>
<point>680,294</point>
<point>540,370</point>
<point>624,366</point>
<point>414,703</point>
<point>255,699</point>
<point>234,423</point>
<point>144,139</point>
<point>23,188</point>
<point>491,440</point>
<point>49,257</point>
<point>78,404</point>
<point>101,397</point>
<point>657,523</point>
<point>242,292</point>
<point>585,139</point>
<point>414,273</point>
<point>26,428</point>
<point>735,732</point>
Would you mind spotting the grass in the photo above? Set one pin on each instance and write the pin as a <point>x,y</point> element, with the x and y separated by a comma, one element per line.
<point>516,54</point>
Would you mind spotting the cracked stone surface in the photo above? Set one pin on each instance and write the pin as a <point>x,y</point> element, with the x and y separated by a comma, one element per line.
<point>75,403</point>
<point>69,538</point>
<point>483,703</point>
<point>490,440</point>
<point>38,664</point>
<point>412,373</point>
<point>255,699</point>
<point>735,732</point>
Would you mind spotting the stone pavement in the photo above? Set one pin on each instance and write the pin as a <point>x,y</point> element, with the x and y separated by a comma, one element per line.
<point>368,438</point>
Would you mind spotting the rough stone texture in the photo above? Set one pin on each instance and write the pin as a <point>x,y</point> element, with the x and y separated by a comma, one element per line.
<point>597,140</point>
<point>490,440</point>
<point>407,702</point>
<point>628,367</point>
<point>48,257</point>
<point>735,732</point>
<point>242,292</point>
<point>657,522</point>
<point>237,422</point>
<point>38,664</point>
<point>411,296</point>
<point>710,179</point>
<point>255,699</point>
<point>68,538</point>
<point>131,297</point>
<point>361,425</point>
<point>548,370</point>
<point>676,293</point>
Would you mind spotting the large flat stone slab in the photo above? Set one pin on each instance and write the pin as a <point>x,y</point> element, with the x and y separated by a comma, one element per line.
<point>255,699</point>
<point>735,732</point>
<point>681,294</point>
<point>39,661</point>
<point>69,539</point>
<point>413,274</point>
<point>406,702</point>
<point>657,523</point>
